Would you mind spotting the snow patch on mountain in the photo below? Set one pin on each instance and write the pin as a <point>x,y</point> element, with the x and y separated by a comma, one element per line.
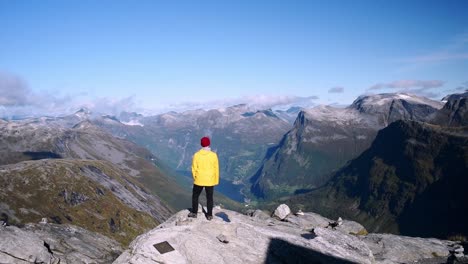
<point>387,98</point>
<point>340,116</point>
<point>133,123</point>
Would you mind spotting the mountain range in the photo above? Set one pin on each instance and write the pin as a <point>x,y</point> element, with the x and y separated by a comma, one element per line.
<point>411,180</point>
<point>331,160</point>
<point>239,134</point>
<point>83,176</point>
<point>324,138</point>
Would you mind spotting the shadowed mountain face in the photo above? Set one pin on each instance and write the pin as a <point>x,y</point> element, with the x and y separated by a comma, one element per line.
<point>412,181</point>
<point>324,138</point>
<point>454,112</point>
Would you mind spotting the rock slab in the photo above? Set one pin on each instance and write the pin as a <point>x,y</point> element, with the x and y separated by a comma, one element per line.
<point>258,240</point>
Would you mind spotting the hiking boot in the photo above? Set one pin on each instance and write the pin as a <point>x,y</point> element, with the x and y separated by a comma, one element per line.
<point>193,215</point>
<point>209,217</point>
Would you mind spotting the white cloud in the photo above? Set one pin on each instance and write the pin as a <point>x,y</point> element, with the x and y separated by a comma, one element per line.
<point>418,87</point>
<point>255,102</point>
<point>18,100</point>
<point>106,105</point>
<point>336,90</point>
<point>462,87</point>
<point>13,91</point>
<point>408,84</point>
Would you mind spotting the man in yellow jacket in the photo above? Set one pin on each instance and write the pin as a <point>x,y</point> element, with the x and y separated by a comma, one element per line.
<point>205,171</point>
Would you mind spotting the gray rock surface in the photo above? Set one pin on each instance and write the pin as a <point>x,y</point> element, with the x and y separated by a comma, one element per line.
<point>303,239</point>
<point>311,220</point>
<point>390,248</point>
<point>20,246</point>
<point>52,243</point>
<point>258,214</point>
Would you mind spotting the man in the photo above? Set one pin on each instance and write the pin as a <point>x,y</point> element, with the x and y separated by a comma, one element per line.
<point>205,171</point>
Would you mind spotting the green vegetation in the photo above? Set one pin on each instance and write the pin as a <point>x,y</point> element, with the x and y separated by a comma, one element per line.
<point>411,181</point>
<point>59,191</point>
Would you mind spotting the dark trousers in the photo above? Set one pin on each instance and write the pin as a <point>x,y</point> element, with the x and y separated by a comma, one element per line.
<point>209,198</point>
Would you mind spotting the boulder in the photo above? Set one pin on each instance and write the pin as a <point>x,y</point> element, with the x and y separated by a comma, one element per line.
<point>282,211</point>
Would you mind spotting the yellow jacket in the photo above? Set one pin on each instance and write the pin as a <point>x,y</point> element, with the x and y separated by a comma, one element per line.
<point>205,168</point>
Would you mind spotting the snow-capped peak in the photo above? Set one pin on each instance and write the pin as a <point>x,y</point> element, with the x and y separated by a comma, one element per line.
<point>383,100</point>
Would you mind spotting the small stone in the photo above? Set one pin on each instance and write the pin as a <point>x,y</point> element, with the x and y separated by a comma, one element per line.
<point>299,212</point>
<point>340,221</point>
<point>223,239</point>
<point>250,212</point>
<point>459,250</point>
<point>43,221</point>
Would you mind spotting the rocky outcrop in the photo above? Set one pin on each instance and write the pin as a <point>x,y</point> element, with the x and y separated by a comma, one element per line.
<point>52,243</point>
<point>232,237</point>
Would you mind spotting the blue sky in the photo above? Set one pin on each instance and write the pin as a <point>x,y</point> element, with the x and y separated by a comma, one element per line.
<point>127,55</point>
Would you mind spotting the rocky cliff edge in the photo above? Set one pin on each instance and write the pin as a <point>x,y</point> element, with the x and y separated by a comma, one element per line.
<point>232,237</point>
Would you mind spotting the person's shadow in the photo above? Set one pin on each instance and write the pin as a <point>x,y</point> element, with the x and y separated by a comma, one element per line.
<point>223,216</point>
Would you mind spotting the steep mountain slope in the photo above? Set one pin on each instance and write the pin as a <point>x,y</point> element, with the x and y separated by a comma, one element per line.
<point>454,112</point>
<point>38,139</point>
<point>94,195</point>
<point>324,138</point>
<point>412,181</point>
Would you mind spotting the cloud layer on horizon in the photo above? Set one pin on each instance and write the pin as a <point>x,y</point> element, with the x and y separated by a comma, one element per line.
<point>17,100</point>
<point>418,87</point>
<point>256,102</point>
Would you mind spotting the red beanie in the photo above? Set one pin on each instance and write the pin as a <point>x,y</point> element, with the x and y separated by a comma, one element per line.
<point>205,141</point>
